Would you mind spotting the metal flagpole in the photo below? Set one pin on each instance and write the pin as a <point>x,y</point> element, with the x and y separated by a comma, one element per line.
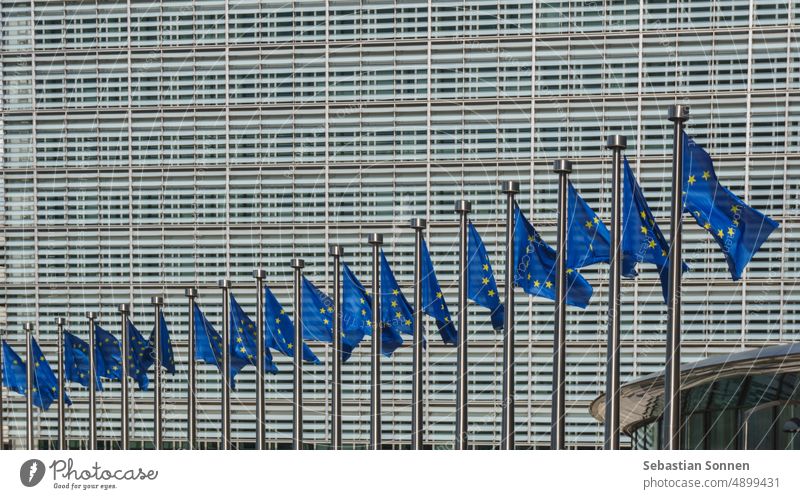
<point>92,316</point>
<point>297,409</point>
<point>225,285</point>
<point>462,423</point>
<point>29,383</point>
<point>417,403</point>
<point>376,240</point>
<point>62,436</point>
<point>563,168</point>
<point>678,114</point>
<point>337,252</point>
<point>157,302</point>
<point>124,311</point>
<point>260,275</point>
<point>191,397</point>
<point>616,143</point>
<point>2,414</point>
<point>510,189</point>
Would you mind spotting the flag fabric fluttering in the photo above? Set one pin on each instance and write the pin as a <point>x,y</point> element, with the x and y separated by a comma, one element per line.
<point>208,345</point>
<point>357,314</point>
<point>167,355</point>
<point>396,313</point>
<point>76,361</point>
<point>535,266</point>
<point>15,376</point>
<point>738,229</point>
<point>108,355</point>
<point>139,356</point>
<point>588,239</point>
<point>481,285</point>
<point>244,339</point>
<point>433,303</point>
<point>279,329</point>
<point>642,239</point>
<point>318,320</point>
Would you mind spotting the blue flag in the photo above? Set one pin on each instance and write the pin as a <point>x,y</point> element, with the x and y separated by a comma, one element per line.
<point>433,303</point>
<point>167,355</point>
<point>357,314</point>
<point>481,286</point>
<point>588,239</point>
<point>76,361</point>
<point>15,376</point>
<point>280,329</point>
<point>318,320</point>
<point>108,356</point>
<point>738,229</point>
<point>140,356</point>
<point>244,340</point>
<point>208,345</point>
<point>396,313</point>
<point>45,383</point>
<point>535,266</point>
<point>642,240</point>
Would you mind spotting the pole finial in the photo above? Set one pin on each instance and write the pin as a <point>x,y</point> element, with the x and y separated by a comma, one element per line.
<point>157,301</point>
<point>678,113</point>
<point>616,142</point>
<point>190,292</point>
<point>336,250</point>
<point>259,274</point>
<point>91,315</point>
<point>418,223</point>
<point>375,239</point>
<point>61,321</point>
<point>298,263</point>
<point>562,166</point>
<point>28,326</point>
<point>224,283</point>
<point>510,187</point>
<point>124,308</point>
<point>463,206</point>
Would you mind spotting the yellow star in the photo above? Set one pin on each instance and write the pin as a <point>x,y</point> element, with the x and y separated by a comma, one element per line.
<point>330,309</point>
<point>652,244</point>
<point>398,314</point>
<point>569,271</point>
<point>241,330</point>
<point>692,180</point>
<point>491,292</point>
<point>322,310</point>
<point>394,303</point>
<point>485,280</point>
<point>362,300</point>
<point>363,312</point>
<point>529,276</point>
<point>536,283</point>
<point>485,266</point>
<point>238,340</point>
<point>324,321</point>
<point>643,214</point>
<point>720,233</point>
<point>706,175</point>
<point>663,252</point>
<point>706,226</point>
<point>438,294</point>
<point>277,320</point>
<point>408,322</point>
<point>369,323</point>
<point>644,230</point>
<point>731,231</point>
<point>548,284</point>
<point>289,346</point>
<point>395,292</point>
<point>588,224</point>
<point>596,221</point>
<point>243,350</point>
<point>735,209</point>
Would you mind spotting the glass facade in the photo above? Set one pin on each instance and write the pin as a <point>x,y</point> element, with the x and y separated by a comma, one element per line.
<point>150,146</point>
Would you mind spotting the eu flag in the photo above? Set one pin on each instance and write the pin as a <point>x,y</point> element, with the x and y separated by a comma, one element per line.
<point>738,229</point>
<point>318,320</point>
<point>244,340</point>
<point>642,240</point>
<point>280,329</point>
<point>588,239</point>
<point>208,345</point>
<point>167,355</point>
<point>15,376</point>
<point>108,356</point>
<point>76,361</point>
<point>396,312</point>
<point>481,286</point>
<point>357,314</point>
<point>535,266</point>
<point>45,383</point>
<point>140,356</point>
<point>433,303</point>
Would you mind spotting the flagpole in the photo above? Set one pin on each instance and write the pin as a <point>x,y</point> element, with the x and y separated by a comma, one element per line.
<point>462,207</point>
<point>297,407</point>
<point>157,302</point>
<point>376,240</point>
<point>260,275</point>
<point>678,114</point>
<point>417,402</point>
<point>225,285</point>
<point>124,311</point>
<point>337,252</point>
<point>29,384</point>
<point>616,143</point>
<point>2,414</point>
<point>191,397</point>
<point>563,168</point>
<point>92,444</point>
<point>510,188</point>
<point>62,436</point>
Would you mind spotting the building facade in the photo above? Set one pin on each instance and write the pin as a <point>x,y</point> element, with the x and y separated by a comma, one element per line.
<point>151,146</point>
